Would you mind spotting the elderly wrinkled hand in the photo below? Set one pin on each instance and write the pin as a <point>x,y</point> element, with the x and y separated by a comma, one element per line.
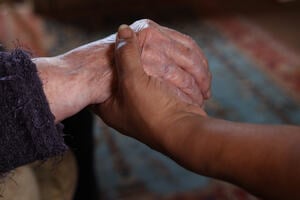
<point>87,71</point>
<point>166,54</point>
<point>141,106</point>
<point>175,57</point>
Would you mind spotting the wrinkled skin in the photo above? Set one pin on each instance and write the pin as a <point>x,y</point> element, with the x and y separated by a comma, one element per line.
<point>145,108</point>
<point>142,106</point>
<point>175,57</point>
<point>87,71</point>
<point>166,54</point>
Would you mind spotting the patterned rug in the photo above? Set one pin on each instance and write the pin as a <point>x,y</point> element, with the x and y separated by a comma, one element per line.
<point>279,62</point>
<point>255,79</point>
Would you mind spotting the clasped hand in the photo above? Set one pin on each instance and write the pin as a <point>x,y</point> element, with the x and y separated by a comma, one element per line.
<point>85,75</point>
<point>143,103</point>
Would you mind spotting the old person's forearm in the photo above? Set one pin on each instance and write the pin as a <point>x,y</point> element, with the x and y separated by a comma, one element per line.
<point>84,75</point>
<point>75,80</point>
<point>165,53</point>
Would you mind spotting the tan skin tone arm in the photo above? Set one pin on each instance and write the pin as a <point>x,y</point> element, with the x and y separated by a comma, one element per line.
<point>264,159</point>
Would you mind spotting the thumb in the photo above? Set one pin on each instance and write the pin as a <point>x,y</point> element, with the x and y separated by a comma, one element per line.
<point>127,53</point>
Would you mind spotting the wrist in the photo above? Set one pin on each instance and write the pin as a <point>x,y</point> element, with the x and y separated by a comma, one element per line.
<point>173,128</point>
<point>76,79</point>
<point>92,65</point>
<point>65,87</point>
<point>187,140</point>
<point>58,86</point>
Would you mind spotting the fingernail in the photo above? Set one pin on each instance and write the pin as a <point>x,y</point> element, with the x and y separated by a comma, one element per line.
<point>124,32</point>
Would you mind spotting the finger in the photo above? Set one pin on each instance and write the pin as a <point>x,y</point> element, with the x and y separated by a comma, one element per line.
<point>177,77</point>
<point>142,24</point>
<point>207,94</point>
<point>127,53</point>
<point>187,42</point>
<point>175,35</point>
<point>190,56</point>
<point>184,82</point>
<point>189,61</point>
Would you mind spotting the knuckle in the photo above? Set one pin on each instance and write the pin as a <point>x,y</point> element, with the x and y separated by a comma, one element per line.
<point>148,21</point>
<point>205,61</point>
<point>190,41</point>
<point>188,50</point>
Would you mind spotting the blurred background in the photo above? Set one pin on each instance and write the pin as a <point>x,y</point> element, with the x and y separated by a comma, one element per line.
<point>253,49</point>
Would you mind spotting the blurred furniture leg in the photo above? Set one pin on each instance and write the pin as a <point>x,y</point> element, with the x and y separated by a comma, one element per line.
<point>79,137</point>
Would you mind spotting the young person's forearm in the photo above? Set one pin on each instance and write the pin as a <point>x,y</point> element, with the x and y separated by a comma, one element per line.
<point>262,159</point>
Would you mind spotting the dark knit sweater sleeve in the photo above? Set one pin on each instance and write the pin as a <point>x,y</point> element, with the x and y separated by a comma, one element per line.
<point>27,129</point>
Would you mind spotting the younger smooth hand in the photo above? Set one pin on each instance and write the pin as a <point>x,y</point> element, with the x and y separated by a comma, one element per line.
<point>141,106</point>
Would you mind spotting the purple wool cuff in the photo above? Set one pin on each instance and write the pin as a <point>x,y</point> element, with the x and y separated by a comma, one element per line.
<point>27,129</point>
